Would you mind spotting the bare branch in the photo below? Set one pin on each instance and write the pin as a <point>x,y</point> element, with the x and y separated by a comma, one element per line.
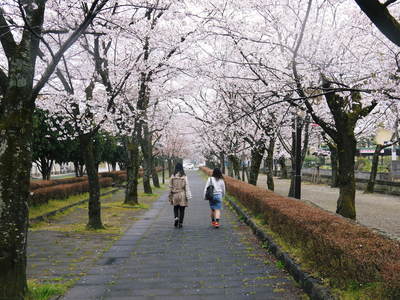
<point>6,37</point>
<point>382,18</point>
<point>93,11</point>
<point>3,82</point>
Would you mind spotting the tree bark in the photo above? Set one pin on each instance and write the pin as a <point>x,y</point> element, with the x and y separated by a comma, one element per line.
<point>270,164</point>
<point>145,143</point>
<point>374,169</point>
<point>94,207</point>
<point>78,168</point>
<point>334,165</point>
<point>222,162</point>
<point>282,164</point>
<point>292,159</point>
<point>170,171</point>
<point>346,180</point>
<point>243,172</point>
<point>230,169</point>
<point>163,171</point>
<point>257,154</point>
<point>45,168</point>
<point>15,165</point>
<point>156,180</point>
<point>132,171</point>
<point>235,162</point>
<point>16,112</point>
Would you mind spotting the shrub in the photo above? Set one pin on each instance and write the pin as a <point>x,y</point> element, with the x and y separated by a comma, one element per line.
<point>338,248</point>
<point>117,176</point>
<point>121,176</point>
<point>37,184</point>
<point>63,191</point>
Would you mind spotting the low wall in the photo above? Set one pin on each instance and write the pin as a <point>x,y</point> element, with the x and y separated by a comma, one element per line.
<point>381,186</point>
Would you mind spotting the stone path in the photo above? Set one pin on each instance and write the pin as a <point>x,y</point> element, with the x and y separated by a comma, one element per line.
<point>62,250</point>
<point>377,211</point>
<point>154,260</point>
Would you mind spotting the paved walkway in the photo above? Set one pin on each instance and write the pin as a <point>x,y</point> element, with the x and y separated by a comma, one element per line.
<point>154,260</point>
<point>376,210</point>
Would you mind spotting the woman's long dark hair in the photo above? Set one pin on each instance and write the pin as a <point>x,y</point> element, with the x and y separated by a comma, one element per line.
<point>179,169</point>
<point>217,174</point>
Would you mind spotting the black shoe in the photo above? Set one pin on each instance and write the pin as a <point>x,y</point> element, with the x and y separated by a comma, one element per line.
<point>180,225</point>
<point>176,222</point>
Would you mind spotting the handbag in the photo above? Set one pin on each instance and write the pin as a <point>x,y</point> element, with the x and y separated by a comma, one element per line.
<point>210,191</point>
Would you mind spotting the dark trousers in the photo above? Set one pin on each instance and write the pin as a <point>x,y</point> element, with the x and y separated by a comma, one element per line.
<point>179,212</point>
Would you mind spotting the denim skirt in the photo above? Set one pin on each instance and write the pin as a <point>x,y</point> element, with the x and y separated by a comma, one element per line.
<point>216,202</point>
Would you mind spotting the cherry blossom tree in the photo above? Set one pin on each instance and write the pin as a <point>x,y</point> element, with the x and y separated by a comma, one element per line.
<point>383,17</point>
<point>23,28</point>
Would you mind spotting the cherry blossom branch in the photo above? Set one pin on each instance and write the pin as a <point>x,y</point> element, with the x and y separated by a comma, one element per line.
<point>382,18</point>
<point>95,8</point>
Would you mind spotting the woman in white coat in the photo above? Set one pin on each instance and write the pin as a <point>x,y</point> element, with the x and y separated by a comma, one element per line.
<point>219,192</point>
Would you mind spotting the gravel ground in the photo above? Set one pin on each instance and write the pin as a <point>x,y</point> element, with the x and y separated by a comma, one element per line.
<point>377,211</point>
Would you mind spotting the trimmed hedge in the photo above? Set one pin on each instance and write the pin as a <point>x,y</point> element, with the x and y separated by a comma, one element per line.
<point>121,176</point>
<point>338,248</point>
<point>44,190</point>
<point>117,176</point>
<point>38,184</point>
<point>63,191</point>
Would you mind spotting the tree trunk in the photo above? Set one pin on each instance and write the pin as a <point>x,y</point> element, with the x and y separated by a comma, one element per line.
<point>16,112</point>
<point>76,168</point>
<point>15,166</point>
<point>113,166</point>
<point>292,159</point>
<point>122,166</point>
<point>282,164</point>
<point>334,166</point>
<point>222,162</point>
<point>291,188</point>
<point>374,169</point>
<point>257,154</point>
<point>156,180</point>
<point>334,161</point>
<point>132,171</point>
<point>170,171</point>
<point>235,163</point>
<point>145,143</point>
<point>230,169</point>
<point>45,168</point>
<point>94,206</point>
<point>346,180</point>
<point>163,171</point>
<point>270,164</point>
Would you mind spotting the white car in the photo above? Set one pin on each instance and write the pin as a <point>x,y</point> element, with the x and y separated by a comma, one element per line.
<point>188,166</point>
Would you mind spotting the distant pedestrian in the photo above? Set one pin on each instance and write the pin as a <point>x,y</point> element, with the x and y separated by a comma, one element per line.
<point>179,194</point>
<point>217,181</point>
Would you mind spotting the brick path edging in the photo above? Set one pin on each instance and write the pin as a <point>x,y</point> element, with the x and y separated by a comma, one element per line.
<point>311,286</point>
